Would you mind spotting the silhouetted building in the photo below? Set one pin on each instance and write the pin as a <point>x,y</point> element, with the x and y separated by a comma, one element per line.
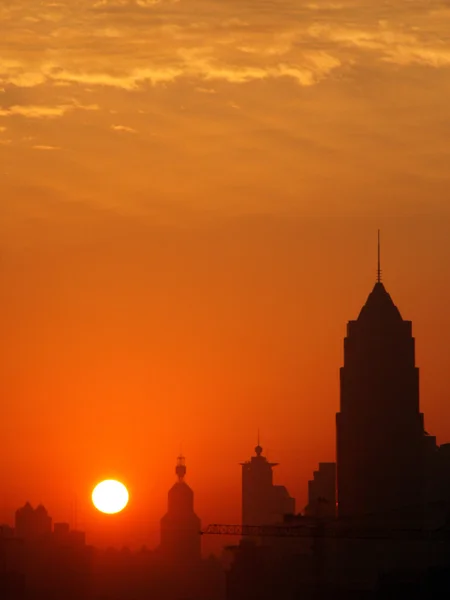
<point>322,492</point>
<point>180,526</point>
<point>38,563</point>
<point>263,503</point>
<point>64,536</point>
<point>12,559</point>
<point>438,485</point>
<point>380,429</point>
<point>266,572</point>
<point>389,475</point>
<point>32,523</point>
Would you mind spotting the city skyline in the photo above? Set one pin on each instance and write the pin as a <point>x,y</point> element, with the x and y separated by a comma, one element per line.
<point>189,198</point>
<point>114,533</point>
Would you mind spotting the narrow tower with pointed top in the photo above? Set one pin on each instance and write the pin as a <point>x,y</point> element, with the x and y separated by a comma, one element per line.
<point>180,526</point>
<point>379,428</point>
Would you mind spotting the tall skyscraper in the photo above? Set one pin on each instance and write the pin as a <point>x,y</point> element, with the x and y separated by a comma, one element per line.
<point>180,526</point>
<point>263,503</point>
<point>380,433</point>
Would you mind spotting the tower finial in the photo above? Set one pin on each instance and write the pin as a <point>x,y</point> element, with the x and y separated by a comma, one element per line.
<point>258,448</point>
<point>180,468</point>
<point>379,259</point>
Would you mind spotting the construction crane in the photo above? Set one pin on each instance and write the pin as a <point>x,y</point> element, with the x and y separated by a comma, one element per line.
<point>258,530</point>
<point>344,528</point>
<point>320,529</point>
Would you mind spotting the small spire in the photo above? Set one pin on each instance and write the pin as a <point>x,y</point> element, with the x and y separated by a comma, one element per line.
<point>258,448</point>
<point>181,467</point>
<point>379,260</point>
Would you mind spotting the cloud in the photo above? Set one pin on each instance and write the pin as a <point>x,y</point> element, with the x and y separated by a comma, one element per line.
<point>203,90</point>
<point>20,73</point>
<point>104,4</point>
<point>408,55</point>
<point>133,44</point>
<point>34,112</point>
<point>46,148</point>
<point>307,81</point>
<point>389,43</point>
<point>130,81</point>
<point>43,112</point>
<point>123,128</point>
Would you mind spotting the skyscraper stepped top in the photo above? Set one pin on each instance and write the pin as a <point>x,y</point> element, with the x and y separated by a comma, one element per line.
<point>379,307</point>
<point>380,429</point>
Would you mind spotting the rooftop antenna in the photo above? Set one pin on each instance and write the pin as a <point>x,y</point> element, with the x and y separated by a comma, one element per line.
<point>258,448</point>
<point>379,260</point>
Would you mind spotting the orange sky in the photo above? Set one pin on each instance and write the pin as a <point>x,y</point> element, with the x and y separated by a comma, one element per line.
<point>189,199</point>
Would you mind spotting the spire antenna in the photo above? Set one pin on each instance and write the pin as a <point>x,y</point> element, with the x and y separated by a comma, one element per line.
<point>379,259</point>
<point>258,448</point>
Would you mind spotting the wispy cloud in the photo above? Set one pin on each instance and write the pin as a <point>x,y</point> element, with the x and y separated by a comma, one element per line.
<point>133,44</point>
<point>245,83</point>
<point>43,112</point>
<point>46,148</point>
<point>123,128</point>
<point>203,90</point>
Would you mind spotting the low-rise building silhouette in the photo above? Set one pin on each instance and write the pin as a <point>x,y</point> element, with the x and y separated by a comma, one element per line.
<point>37,562</point>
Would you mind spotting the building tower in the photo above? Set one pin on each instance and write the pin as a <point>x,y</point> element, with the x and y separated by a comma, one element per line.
<point>32,523</point>
<point>263,503</point>
<point>180,526</point>
<point>380,434</point>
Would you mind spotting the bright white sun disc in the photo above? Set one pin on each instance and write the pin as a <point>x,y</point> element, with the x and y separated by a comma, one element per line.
<point>110,496</point>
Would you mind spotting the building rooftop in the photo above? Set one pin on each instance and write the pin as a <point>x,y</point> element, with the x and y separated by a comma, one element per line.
<point>379,306</point>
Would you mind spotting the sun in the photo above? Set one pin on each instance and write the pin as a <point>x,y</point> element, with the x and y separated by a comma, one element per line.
<point>110,496</point>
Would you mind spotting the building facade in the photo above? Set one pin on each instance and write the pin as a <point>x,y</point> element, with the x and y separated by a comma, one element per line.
<point>263,503</point>
<point>180,526</point>
<point>322,491</point>
<point>32,523</point>
<point>381,441</point>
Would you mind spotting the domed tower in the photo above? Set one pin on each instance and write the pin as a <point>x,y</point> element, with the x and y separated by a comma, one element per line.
<point>380,429</point>
<point>180,526</point>
<point>263,503</point>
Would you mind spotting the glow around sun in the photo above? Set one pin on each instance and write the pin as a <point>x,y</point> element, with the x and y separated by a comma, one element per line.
<point>110,496</point>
